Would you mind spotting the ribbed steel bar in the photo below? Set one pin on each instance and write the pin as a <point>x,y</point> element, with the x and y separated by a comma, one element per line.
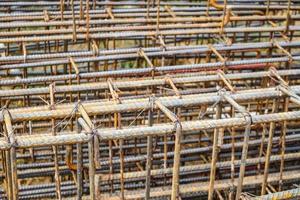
<point>287,194</point>
<point>193,187</point>
<point>132,13</point>
<point>88,135</point>
<point>35,168</point>
<point>94,108</point>
<point>132,54</point>
<point>198,23</point>
<point>132,34</point>
<point>251,161</point>
<point>195,125</point>
<point>169,50</point>
<point>71,138</point>
<point>142,83</point>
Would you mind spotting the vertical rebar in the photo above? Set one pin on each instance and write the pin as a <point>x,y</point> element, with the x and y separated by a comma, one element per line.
<point>79,165</point>
<point>269,150</point>
<point>215,153</point>
<point>244,158</point>
<point>149,151</point>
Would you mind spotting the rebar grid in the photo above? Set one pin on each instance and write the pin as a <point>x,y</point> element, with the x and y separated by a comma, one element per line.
<point>149,99</point>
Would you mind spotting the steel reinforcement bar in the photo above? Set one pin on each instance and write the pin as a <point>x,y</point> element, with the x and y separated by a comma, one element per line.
<point>149,99</point>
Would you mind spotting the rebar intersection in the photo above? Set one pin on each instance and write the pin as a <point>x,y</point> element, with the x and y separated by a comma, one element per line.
<point>149,99</point>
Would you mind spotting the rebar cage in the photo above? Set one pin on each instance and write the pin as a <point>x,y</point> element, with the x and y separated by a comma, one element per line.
<point>155,99</point>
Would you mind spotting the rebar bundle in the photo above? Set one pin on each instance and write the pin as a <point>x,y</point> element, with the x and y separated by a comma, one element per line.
<point>151,99</point>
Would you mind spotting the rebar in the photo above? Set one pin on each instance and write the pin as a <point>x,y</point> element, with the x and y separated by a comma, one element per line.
<point>149,99</point>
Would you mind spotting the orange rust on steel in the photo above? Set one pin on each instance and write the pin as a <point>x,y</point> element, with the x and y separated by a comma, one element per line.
<point>187,94</point>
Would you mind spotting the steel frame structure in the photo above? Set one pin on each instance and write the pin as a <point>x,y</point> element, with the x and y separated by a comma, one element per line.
<point>149,99</point>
